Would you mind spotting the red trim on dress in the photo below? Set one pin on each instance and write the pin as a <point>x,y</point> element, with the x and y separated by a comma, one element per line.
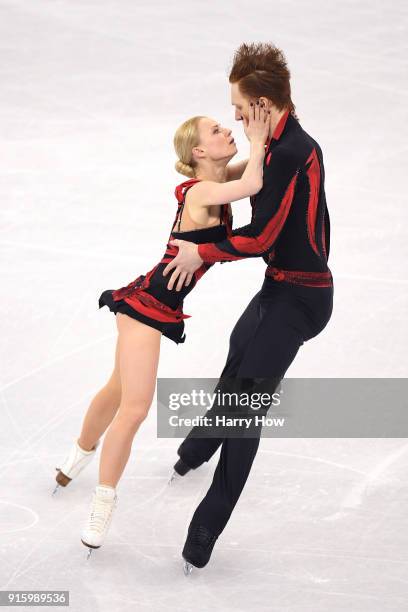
<point>134,293</point>
<point>148,305</point>
<point>179,191</point>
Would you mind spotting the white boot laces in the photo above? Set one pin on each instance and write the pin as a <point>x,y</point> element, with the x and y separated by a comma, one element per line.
<point>100,514</point>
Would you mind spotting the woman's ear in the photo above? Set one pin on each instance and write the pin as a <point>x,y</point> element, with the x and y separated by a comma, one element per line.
<point>197,152</point>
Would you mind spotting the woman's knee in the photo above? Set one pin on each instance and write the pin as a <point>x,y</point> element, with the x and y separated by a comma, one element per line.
<point>131,416</point>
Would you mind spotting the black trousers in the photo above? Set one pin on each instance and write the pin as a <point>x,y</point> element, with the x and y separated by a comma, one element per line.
<point>263,344</point>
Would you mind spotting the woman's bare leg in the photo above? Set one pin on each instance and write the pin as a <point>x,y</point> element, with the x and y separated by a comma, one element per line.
<point>139,350</point>
<point>102,409</point>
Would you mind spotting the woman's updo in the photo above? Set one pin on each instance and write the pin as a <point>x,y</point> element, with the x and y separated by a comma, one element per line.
<point>185,139</point>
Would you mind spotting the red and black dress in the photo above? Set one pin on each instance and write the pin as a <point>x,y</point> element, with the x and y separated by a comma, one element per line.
<point>147,298</point>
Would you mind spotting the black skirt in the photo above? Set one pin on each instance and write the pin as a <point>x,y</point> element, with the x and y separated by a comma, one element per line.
<point>173,331</point>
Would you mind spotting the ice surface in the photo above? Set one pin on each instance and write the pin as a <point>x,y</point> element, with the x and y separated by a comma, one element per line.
<point>91,94</point>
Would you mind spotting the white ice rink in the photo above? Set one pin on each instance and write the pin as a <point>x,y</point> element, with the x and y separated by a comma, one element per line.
<point>91,93</point>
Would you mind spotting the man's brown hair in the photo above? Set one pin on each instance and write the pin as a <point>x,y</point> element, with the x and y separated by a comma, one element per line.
<point>260,69</point>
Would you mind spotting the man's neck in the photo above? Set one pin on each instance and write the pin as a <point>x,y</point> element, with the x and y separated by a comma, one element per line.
<point>275,118</point>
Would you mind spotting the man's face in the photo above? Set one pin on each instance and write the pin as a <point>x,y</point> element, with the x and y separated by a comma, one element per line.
<point>240,102</point>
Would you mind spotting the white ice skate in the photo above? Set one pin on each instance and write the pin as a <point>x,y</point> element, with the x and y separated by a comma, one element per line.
<point>104,502</point>
<point>75,462</point>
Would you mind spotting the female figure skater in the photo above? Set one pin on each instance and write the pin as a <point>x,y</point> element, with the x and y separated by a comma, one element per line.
<point>145,309</point>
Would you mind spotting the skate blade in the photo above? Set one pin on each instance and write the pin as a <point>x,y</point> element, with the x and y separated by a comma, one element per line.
<point>55,490</point>
<point>90,549</point>
<point>187,568</point>
<point>173,477</point>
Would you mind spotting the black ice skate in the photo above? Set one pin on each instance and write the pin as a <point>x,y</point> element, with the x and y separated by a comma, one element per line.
<point>180,469</point>
<point>198,548</point>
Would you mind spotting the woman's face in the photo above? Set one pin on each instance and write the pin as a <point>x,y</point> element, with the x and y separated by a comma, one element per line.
<point>216,142</point>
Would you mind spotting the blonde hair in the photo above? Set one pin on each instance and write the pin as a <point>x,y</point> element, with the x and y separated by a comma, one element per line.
<point>185,139</point>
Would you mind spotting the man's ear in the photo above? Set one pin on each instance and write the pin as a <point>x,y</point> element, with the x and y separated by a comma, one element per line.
<point>267,103</point>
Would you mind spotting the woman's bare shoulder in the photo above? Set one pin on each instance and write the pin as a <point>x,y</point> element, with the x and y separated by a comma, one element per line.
<point>198,193</point>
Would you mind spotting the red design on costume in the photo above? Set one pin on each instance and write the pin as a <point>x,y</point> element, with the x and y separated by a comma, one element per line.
<point>268,235</point>
<point>324,237</point>
<point>313,173</point>
<point>300,277</point>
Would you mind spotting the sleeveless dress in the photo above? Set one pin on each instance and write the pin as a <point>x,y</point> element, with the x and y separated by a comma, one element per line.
<point>147,298</point>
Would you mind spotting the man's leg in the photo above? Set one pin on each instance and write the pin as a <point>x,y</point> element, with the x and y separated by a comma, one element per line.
<point>193,451</point>
<point>273,346</point>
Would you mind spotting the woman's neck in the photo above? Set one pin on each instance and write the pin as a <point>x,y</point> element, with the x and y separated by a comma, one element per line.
<point>216,174</point>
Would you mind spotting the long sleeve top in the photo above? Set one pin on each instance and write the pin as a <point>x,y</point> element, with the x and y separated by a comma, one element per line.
<point>290,225</point>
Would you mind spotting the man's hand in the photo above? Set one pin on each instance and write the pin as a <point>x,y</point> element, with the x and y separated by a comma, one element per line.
<point>186,262</point>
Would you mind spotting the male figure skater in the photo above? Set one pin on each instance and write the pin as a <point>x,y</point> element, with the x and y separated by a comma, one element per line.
<point>290,229</point>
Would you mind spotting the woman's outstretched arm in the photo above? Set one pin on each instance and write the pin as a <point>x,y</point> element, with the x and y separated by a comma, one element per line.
<point>212,193</point>
<point>235,171</point>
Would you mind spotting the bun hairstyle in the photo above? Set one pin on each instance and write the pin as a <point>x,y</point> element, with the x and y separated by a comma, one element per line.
<point>185,169</point>
<point>185,139</point>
